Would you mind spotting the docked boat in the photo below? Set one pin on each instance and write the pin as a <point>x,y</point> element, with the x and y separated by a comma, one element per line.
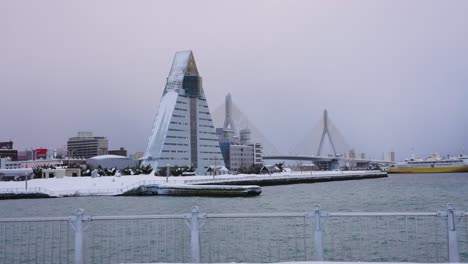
<point>434,164</point>
<point>196,190</point>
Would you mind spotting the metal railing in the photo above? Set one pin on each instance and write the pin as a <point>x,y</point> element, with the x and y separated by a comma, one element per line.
<point>136,185</point>
<point>88,192</point>
<point>36,190</point>
<point>28,190</point>
<point>252,237</point>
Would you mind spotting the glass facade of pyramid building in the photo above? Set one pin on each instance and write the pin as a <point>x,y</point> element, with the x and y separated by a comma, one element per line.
<point>183,132</point>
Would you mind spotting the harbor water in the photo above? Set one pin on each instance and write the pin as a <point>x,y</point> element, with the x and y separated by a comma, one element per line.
<point>243,237</point>
<point>398,192</point>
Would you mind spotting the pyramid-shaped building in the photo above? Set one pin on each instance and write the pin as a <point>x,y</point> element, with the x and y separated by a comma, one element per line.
<point>183,132</point>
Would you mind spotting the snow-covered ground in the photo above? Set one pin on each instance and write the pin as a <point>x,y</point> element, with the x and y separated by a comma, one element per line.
<point>111,185</point>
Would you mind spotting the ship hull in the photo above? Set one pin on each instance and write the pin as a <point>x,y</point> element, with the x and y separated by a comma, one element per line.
<point>429,170</point>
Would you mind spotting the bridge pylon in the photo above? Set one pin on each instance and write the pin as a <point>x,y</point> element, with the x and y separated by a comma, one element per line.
<point>325,132</point>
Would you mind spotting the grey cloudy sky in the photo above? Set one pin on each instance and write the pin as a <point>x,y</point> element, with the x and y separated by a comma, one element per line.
<point>393,74</point>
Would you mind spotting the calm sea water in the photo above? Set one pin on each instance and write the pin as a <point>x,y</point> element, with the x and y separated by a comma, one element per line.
<point>401,192</point>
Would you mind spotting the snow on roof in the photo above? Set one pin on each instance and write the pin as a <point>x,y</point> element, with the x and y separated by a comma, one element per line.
<point>101,157</point>
<point>218,168</point>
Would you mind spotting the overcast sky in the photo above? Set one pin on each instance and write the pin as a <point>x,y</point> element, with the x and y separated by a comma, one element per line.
<point>393,74</point>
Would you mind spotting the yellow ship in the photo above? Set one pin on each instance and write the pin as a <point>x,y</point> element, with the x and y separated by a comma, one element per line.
<point>434,164</point>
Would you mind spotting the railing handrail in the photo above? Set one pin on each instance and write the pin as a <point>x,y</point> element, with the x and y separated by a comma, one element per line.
<point>139,217</point>
<point>87,191</point>
<point>338,214</point>
<point>35,219</point>
<point>236,215</point>
<point>136,185</point>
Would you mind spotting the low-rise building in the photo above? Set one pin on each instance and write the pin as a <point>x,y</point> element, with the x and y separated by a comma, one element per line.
<point>8,164</point>
<point>119,152</point>
<point>111,161</point>
<point>61,173</point>
<point>7,151</point>
<point>15,174</point>
<point>238,152</point>
<point>25,155</point>
<point>241,156</point>
<point>42,162</point>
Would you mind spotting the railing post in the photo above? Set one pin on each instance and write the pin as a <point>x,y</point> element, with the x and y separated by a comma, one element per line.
<point>195,236</point>
<point>77,224</point>
<point>318,248</point>
<point>452,235</point>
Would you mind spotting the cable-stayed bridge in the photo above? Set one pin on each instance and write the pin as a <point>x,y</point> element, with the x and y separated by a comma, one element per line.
<point>312,146</point>
<point>323,136</point>
<point>241,121</point>
<point>316,140</point>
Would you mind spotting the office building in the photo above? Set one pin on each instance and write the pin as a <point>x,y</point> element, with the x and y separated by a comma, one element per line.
<point>85,145</point>
<point>183,132</point>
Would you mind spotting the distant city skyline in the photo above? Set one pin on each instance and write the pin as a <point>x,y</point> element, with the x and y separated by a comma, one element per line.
<point>392,74</point>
